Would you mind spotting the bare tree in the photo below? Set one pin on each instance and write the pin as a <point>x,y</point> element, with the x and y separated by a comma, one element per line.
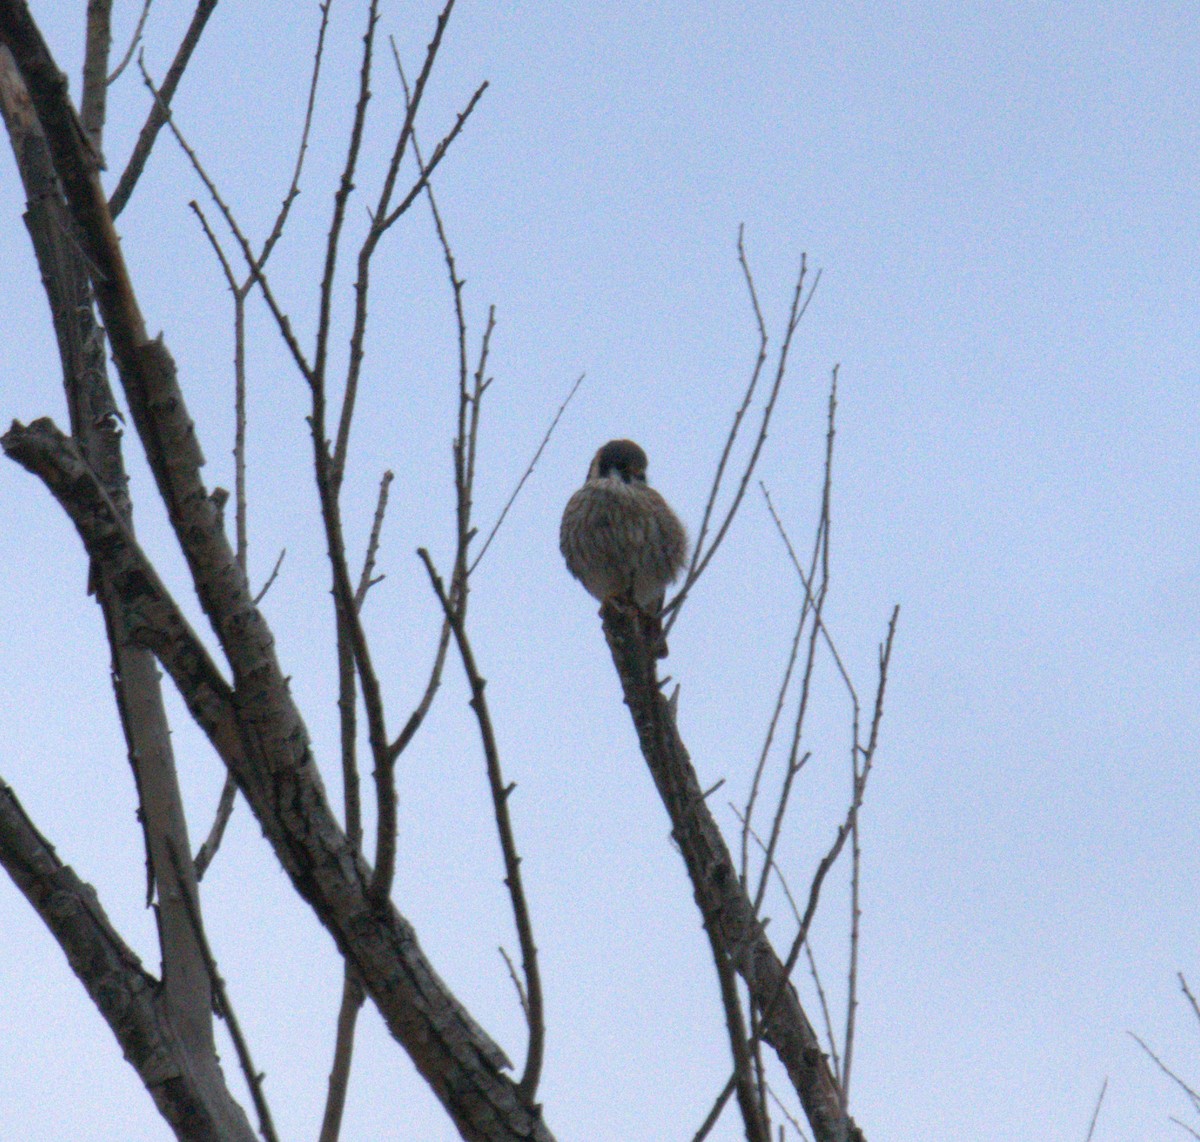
<point>240,698</point>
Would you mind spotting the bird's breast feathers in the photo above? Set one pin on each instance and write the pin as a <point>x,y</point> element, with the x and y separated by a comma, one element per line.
<point>622,538</point>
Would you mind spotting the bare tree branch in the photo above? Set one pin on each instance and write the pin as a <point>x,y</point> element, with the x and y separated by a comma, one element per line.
<point>382,220</point>
<point>212,842</point>
<point>192,1099</point>
<point>254,262</point>
<point>95,71</point>
<point>159,108</point>
<point>1191,1092</point>
<point>830,858</point>
<point>239,291</point>
<point>310,846</point>
<point>527,1087</point>
<point>812,963</point>
<point>225,1009</point>
<point>278,774</point>
<point>719,894</point>
<point>343,1054</point>
<point>748,813</point>
<point>755,373</point>
<point>136,684</point>
<point>365,581</point>
<point>518,986</point>
<point>527,473</point>
<point>1183,984</point>
<point>718,1106</point>
<point>794,762</point>
<point>702,556</point>
<point>302,150</point>
<point>262,591</point>
<point>1096,1112</point>
<point>342,196</point>
<point>823,1001</point>
<point>134,40</point>
<point>745,1085</point>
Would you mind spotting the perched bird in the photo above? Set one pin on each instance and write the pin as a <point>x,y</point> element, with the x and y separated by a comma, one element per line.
<point>619,536</point>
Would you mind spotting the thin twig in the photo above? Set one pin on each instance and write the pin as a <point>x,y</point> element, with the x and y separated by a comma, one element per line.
<point>439,153</point>
<point>412,104</point>
<point>748,814</point>
<point>516,982</point>
<point>224,1007</point>
<point>294,188</point>
<point>793,765</point>
<point>1096,1112</point>
<point>701,560</point>
<point>422,708</point>
<point>834,1058</point>
<point>481,383</point>
<point>835,849</point>
<point>717,1107</point>
<point>755,373</point>
<point>133,43</point>
<point>160,108</point>
<point>855,754</point>
<point>855,924</point>
<point>341,198</point>
<point>270,578</point>
<point>457,590</point>
<point>365,580</point>
<point>806,581</point>
<point>1192,1094</point>
<point>381,221</point>
<point>823,1001</point>
<point>1183,983</point>
<point>226,269</point>
<point>212,842</point>
<point>757,1129</point>
<point>260,278</point>
<point>343,1054</point>
<point>528,472</point>
<point>362,284</point>
<point>239,387</point>
<point>456,283</point>
<point>820,557</point>
<point>787,1114</point>
<point>821,545</point>
<point>527,1087</point>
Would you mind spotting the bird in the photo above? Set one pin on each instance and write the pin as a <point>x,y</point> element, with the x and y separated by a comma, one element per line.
<point>620,538</point>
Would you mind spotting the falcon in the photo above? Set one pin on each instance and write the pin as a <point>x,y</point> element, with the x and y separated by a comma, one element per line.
<point>619,536</point>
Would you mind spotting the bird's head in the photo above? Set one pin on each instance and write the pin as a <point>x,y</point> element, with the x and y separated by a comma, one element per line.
<point>619,460</point>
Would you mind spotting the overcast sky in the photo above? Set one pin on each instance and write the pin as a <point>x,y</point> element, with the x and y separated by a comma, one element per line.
<point>1003,203</point>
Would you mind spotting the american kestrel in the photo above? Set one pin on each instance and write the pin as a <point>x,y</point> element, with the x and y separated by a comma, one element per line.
<point>619,536</point>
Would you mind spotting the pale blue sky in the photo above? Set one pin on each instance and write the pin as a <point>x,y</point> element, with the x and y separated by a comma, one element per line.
<point>1003,201</point>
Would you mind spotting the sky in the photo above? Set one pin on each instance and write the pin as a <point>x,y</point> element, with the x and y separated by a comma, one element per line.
<point>1002,201</point>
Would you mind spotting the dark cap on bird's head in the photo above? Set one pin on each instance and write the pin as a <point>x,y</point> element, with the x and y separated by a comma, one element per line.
<point>620,458</point>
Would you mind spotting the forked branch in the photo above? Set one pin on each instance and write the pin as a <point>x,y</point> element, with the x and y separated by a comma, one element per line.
<point>702,553</point>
